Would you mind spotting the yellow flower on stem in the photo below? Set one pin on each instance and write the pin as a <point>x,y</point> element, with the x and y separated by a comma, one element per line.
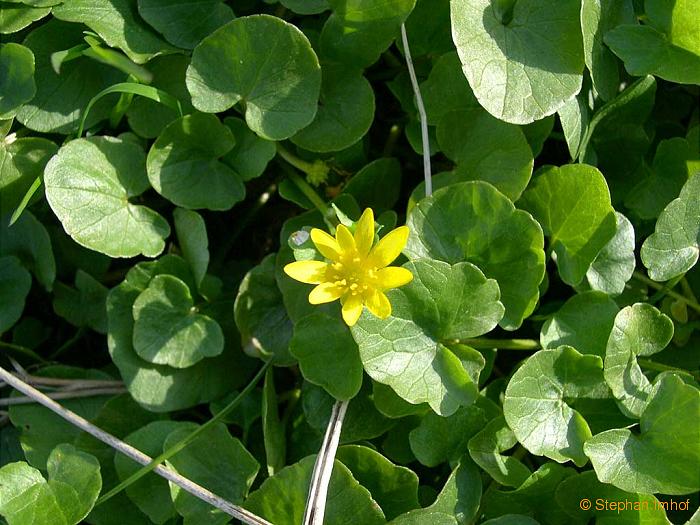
<point>357,273</point>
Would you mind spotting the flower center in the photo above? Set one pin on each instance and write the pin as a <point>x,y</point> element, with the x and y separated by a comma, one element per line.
<point>353,274</point>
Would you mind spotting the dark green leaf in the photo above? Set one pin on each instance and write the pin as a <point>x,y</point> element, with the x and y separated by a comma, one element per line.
<point>16,78</point>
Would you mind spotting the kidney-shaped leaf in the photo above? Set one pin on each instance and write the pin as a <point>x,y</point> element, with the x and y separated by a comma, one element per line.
<point>263,62</point>
<point>410,351</point>
<point>16,78</point>
<point>88,186</point>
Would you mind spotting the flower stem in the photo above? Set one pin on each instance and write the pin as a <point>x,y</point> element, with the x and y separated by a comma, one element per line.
<point>295,161</point>
<point>484,343</point>
<point>658,286</point>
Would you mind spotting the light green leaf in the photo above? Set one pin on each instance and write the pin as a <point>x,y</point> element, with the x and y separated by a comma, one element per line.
<point>390,404</point>
<point>273,428</point>
<point>523,69</point>
<point>358,31</point>
<point>251,153</point>
<point>665,455</point>
<point>15,283</point>
<point>184,23</point>
<point>639,329</point>
<point>674,246</point>
<point>183,164</point>
<point>118,24</point>
<point>538,397</point>
<point>89,184</point>
<point>203,461</point>
<point>263,62</point>
<point>345,112</point>
<point>16,78</point>
<point>281,499</point>
<point>261,317</point>
<point>412,350</point>
<point>168,330</point>
<point>458,223</point>
<point>306,7</point>
<point>446,89</point>
<point>327,355</point>
<point>83,305</point>
<point>574,117</point>
<point>486,448</point>
<point>485,148</point>
<point>15,17</point>
<point>615,263</point>
<point>394,487</point>
<point>151,493</point>
<point>597,18</point>
<point>28,240</point>
<point>511,519</point>
<point>572,203</point>
<point>192,235</point>
<point>584,322</point>
<point>634,509</point>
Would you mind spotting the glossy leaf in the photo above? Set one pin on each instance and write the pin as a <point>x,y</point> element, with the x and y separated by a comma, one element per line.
<point>192,235</point>
<point>251,153</point>
<point>28,240</point>
<point>16,78</point>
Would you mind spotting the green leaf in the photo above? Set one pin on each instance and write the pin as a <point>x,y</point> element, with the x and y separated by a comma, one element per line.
<point>203,461</point>
<point>21,163</point>
<point>15,17</point>
<point>426,29</point>
<point>192,235</point>
<point>306,7</point>
<point>147,117</point>
<point>28,240</point>
<point>118,24</point>
<point>444,439</point>
<point>390,404</point>
<point>488,149</point>
<point>345,112</point>
<point>445,90</point>
<point>614,264</point>
<point>261,316</point>
<point>639,329</point>
<point>16,78</point>
<point>184,23</point>
<point>73,486</point>
<point>537,402</point>
<point>83,305</point>
<point>674,246</point>
<point>584,322</point>
<point>410,351</point>
<point>327,355</point>
<point>574,117</point>
<point>168,330</point>
<point>597,18</point>
<point>572,203</point>
<point>273,428</point>
<point>486,448</point>
<point>281,499</point>
<point>377,184</point>
<point>15,283</point>
<point>263,62</point>
<point>183,164</point>
<point>457,223</point>
<point>394,487</point>
<point>358,31</point>
<point>665,455</point>
<point>162,388</point>
<point>251,153</point>
<point>89,184</point>
<point>635,508</point>
<point>523,70</point>
<point>151,493</point>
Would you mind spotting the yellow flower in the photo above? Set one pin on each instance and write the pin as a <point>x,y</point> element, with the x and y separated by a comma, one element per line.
<point>357,273</point>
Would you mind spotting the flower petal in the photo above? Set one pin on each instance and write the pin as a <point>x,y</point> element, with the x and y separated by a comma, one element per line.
<point>389,247</point>
<point>364,233</point>
<point>325,293</point>
<point>379,304</point>
<point>310,272</point>
<point>393,277</point>
<point>345,239</point>
<point>352,308</point>
<point>325,244</point>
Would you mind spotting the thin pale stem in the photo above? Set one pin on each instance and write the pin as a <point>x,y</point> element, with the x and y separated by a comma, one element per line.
<point>659,286</point>
<point>484,343</point>
<point>323,468</point>
<point>177,447</point>
<point>189,486</point>
<point>421,112</point>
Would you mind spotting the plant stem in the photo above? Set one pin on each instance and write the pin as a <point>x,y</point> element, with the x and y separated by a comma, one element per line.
<point>660,367</point>
<point>73,394</point>
<point>484,343</point>
<point>658,286</point>
<point>196,490</point>
<point>28,352</point>
<point>295,161</point>
<point>154,464</point>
